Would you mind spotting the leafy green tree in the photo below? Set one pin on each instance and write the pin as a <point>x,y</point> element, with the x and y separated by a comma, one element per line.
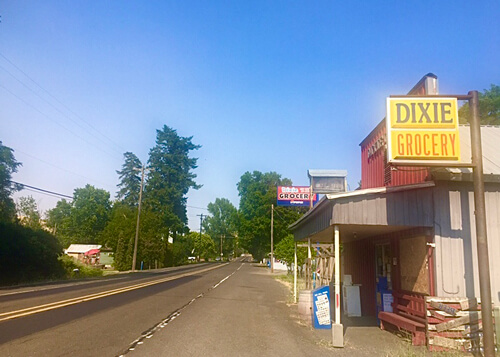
<point>489,107</point>
<point>203,245</point>
<point>123,254</point>
<point>28,255</point>
<point>222,224</point>
<point>171,178</point>
<point>89,214</point>
<point>285,251</point>
<point>58,220</point>
<point>153,240</point>
<point>8,166</point>
<point>121,225</point>
<point>130,180</point>
<point>257,193</point>
<point>182,248</point>
<point>28,210</point>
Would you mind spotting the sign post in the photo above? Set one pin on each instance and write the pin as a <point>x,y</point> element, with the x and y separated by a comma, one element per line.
<point>423,131</point>
<point>272,238</point>
<point>481,236</point>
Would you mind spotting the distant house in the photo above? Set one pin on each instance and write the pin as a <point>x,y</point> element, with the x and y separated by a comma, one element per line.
<point>86,253</point>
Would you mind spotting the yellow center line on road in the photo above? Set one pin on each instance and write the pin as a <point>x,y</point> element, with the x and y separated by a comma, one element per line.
<point>58,304</point>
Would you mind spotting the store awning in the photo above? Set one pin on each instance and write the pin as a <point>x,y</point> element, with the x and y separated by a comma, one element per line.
<point>363,213</point>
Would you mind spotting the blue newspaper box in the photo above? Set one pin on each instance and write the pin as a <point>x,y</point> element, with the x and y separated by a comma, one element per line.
<point>321,308</point>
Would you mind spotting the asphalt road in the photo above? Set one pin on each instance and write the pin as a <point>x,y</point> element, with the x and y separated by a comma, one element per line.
<point>101,317</point>
<point>246,315</point>
<point>234,309</point>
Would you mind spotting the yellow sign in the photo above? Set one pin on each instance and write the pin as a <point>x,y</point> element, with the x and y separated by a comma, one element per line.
<point>421,129</point>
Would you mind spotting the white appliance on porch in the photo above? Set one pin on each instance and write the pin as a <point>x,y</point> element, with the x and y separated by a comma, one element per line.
<point>352,302</point>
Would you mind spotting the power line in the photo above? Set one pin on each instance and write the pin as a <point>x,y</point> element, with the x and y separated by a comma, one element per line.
<point>53,120</point>
<point>54,107</point>
<point>57,167</point>
<point>41,190</point>
<point>43,193</point>
<point>59,102</point>
<point>206,209</point>
<point>280,216</point>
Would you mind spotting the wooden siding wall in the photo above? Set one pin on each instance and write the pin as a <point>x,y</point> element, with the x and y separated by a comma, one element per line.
<point>404,208</point>
<point>455,238</point>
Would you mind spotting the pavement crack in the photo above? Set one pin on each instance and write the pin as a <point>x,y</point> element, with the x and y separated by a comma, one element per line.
<point>150,332</point>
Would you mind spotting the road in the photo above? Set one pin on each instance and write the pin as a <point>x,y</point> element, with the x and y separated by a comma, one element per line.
<point>99,317</point>
<point>230,309</point>
<point>210,309</point>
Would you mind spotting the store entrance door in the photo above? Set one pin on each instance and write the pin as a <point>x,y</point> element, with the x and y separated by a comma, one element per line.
<point>384,276</point>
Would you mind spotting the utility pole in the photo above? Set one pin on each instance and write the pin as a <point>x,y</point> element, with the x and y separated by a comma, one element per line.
<point>201,222</point>
<point>134,259</point>
<point>481,236</point>
<point>272,238</point>
<point>221,247</point>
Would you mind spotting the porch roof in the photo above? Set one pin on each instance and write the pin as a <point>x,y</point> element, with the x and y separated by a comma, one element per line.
<point>370,212</point>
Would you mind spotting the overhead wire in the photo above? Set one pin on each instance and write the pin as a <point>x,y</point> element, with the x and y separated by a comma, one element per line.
<point>59,168</point>
<point>206,209</point>
<point>52,120</point>
<point>59,102</point>
<point>279,215</point>
<point>57,123</point>
<point>41,190</point>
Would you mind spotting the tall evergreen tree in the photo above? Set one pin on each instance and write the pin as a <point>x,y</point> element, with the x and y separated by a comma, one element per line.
<point>170,178</point>
<point>130,180</point>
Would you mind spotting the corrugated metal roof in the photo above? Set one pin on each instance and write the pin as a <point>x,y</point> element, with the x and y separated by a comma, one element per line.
<point>490,139</point>
<point>323,215</point>
<point>81,248</point>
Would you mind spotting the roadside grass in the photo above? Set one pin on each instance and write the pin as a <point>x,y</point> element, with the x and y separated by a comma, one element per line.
<point>110,272</point>
<point>412,351</point>
<point>287,280</point>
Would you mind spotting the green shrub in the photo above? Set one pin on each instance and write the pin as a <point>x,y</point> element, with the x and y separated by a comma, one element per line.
<point>28,255</point>
<point>84,271</point>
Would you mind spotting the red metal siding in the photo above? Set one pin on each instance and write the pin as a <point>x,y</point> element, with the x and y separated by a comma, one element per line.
<point>373,162</point>
<point>408,175</point>
<point>374,170</point>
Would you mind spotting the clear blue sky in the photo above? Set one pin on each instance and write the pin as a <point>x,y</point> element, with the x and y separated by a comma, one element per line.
<point>281,86</point>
